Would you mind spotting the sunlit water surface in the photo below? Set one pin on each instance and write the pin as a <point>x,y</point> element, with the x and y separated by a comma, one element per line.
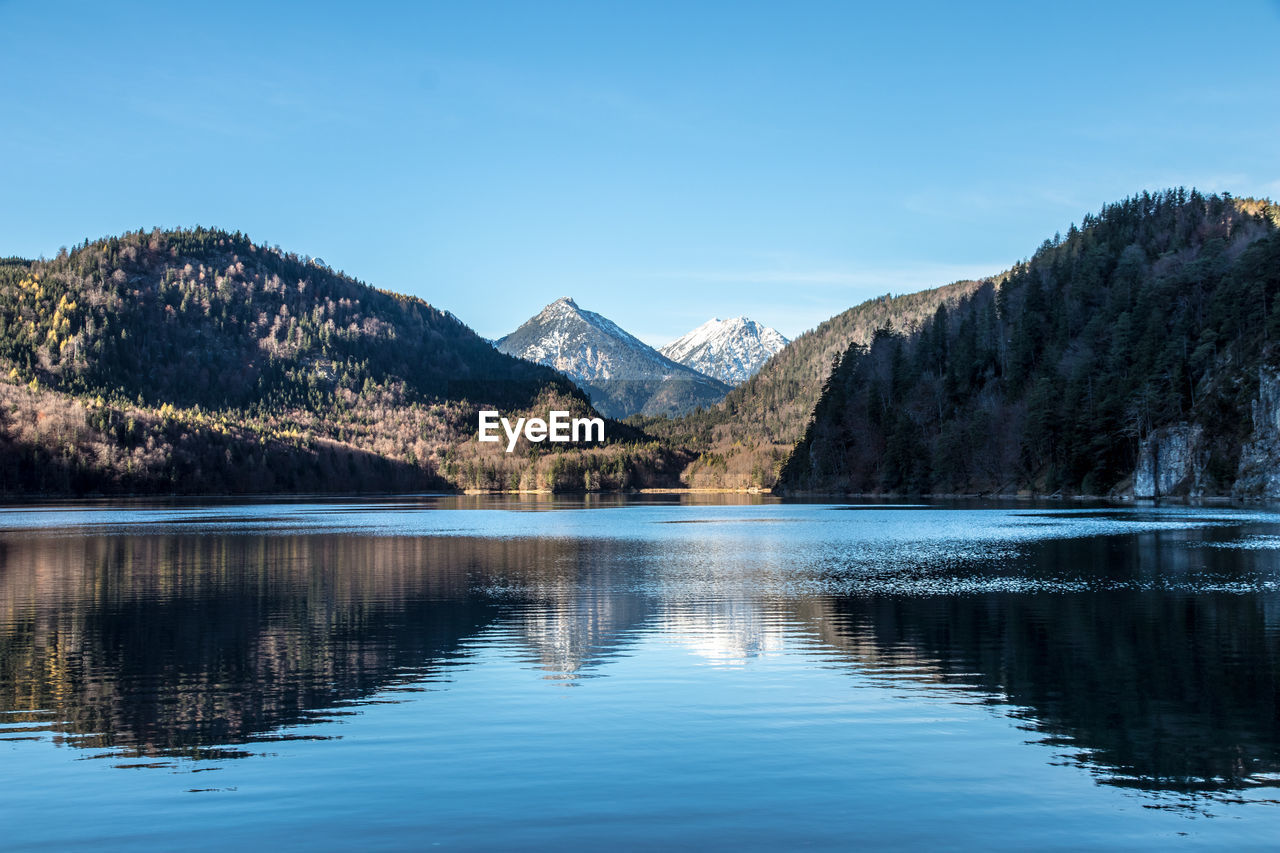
<point>570,673</point>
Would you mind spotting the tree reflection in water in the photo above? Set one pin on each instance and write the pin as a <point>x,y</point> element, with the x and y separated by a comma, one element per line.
<point>196,645</point>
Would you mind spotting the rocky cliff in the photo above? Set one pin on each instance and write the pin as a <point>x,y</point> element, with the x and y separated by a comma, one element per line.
<point>1259,475</point>
<point>1171,462</point>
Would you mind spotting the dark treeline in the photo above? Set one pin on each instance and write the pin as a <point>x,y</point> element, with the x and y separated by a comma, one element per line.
<point>1157,311</point>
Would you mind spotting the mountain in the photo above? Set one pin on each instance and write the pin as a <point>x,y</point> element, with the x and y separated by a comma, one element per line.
<point>197,360</point>
<point>1136,355</point>
<point>744,440</point>
<point>729,350</point>
<point>623,375</point>
<point>208,318</point>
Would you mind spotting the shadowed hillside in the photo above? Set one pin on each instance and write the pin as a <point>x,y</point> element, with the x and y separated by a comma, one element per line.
<point>1134,354</point>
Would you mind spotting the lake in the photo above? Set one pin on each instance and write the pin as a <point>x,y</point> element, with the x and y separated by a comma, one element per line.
<point>640,672</point>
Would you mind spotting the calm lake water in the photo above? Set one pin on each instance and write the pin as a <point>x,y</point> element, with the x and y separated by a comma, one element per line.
<point>624,673</point>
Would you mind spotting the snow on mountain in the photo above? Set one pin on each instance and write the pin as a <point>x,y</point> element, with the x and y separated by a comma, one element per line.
<point>623,374</point>
<point>730,350</point>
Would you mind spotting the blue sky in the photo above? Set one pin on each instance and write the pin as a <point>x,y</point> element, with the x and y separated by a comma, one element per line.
<point>660,162</point>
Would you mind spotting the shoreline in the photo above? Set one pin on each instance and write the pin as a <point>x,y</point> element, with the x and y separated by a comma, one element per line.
<point>1116,500</point>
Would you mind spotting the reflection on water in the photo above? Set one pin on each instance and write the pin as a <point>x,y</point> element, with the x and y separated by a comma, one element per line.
<point>1152,691</point>
<point>1141,645</point>
<point>170,644</point>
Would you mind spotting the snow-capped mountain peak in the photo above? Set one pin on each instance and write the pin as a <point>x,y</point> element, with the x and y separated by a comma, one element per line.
<point>730,350</point>
<point>623,374</point>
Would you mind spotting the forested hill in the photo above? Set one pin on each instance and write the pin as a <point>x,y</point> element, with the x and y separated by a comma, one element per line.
<point>1125,356</point>
<point>775,404</point>
<point>199,361</point>
<point>208,318</point>
<point>744,440</point>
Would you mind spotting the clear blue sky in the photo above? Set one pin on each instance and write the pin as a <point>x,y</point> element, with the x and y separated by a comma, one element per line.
<point>660,162</point>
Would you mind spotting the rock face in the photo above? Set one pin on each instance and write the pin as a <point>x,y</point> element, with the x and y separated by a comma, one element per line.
<point>1171,462</point>
<point>623,375</point>
<point>1258,477</point>
<point>730,350</point>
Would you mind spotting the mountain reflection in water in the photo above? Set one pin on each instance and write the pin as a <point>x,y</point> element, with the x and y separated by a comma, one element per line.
<point>1149,657</point>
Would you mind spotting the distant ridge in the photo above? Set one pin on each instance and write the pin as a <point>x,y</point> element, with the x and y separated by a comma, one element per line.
<point>623,375</point>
